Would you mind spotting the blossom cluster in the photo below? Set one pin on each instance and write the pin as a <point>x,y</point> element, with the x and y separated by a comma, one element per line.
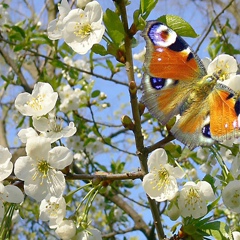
<point>79,28</point>
<point>41,169</point>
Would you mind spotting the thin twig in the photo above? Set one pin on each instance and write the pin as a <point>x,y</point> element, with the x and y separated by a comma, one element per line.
<point>214,20</point>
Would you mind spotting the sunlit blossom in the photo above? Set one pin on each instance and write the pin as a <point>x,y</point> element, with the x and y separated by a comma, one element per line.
<point>52,128</point>
<point>89,234</point>
<point>40,102</point>
<point>231,196</point>
<point>224,64</point>
<point>160,183</point>
<point>66,229</point>
<point>56,26</point>
<point>53,210</point>
<point>83,28</point>
<point>39,169</point>
<point>71,98</point>
<point>193,199</point>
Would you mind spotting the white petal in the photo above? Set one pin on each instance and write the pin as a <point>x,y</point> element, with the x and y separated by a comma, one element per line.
<point>230,196</point>
<point>36,189</point>
<point>54,31</point>
<point>206,190</point>
<point>5,155</point>
<point>66,229</point>
<point>41,124</point>
<point>94,11</point>
<point>24,168</point>
<point>158,157</point>
<point>233,83</point>
<point>38,147</point>
<point>69,130</point>
<point>25,134</point>
<point>60,157</point>
<point>13,194</point>
<point>64,8</point>
<point>5,170</point>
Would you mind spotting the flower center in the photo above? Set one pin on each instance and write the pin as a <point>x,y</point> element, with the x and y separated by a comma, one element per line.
<point>55,127</point>
<point>223,69</point>
<point>52,208</point>
<point>82,31</point>
<point>192,197</point>
<point>42,170</point>
<point>36,103</point>
<point>163,178</point>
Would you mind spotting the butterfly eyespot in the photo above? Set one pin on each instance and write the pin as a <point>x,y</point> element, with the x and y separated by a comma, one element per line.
<point>206,131</point>
<point>157,83</point>
<point>161,35</point>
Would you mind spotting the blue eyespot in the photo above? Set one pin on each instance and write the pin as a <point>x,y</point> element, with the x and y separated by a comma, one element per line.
<point>206,131</point>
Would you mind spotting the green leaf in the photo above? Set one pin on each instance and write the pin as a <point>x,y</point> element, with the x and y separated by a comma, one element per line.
<point>95,94</point>
<point>114,26</point>
<point>19,47</point>
<point>179,25</point>
<point>19,30</point>
<point>41,39</point>
<point>99,49</point>
<point>110,65</point>
<point>219,230</point>
<point>146,6</point>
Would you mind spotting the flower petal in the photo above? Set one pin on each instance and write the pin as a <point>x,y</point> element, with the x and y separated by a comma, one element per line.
<point>60,157</point>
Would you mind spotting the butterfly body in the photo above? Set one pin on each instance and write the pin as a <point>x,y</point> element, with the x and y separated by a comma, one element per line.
<point>175,82</point>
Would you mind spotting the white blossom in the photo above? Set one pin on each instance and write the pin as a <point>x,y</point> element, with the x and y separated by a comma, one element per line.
<point>66,229</point>
<point>53,129</point>
<point>224,64</point>
<point>231,196</point>
<point>56,26</point>
<point>40,102</point>
<point>83,28</point>
<point>89,234</point>
<point>71,98</point>
<point>193,199</point>
<point>39,169</point>
<point>52,209</point>
<point>160,183</point>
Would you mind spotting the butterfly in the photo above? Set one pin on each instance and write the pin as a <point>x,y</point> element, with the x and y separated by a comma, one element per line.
<point>176,83</point>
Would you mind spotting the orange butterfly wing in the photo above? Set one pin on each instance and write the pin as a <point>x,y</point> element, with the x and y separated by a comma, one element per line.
<point>224,113</point>
<point>171,71</point>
